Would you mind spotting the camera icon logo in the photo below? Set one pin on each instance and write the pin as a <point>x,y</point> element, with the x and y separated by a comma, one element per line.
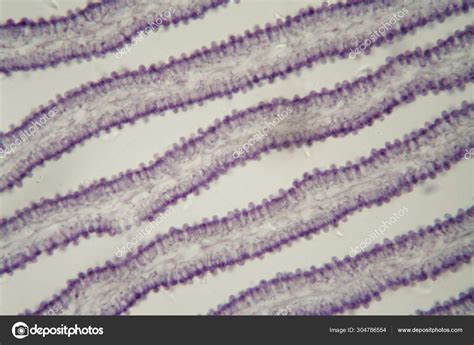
<point>20,330</point>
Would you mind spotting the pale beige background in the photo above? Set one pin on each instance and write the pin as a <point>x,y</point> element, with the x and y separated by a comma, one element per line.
<point>125,149</point>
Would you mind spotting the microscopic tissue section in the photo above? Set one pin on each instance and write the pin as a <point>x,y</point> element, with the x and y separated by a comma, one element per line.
<point>139,199</point>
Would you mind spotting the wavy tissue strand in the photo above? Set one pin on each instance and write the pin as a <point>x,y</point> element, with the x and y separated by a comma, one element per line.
<point>319,201</point>
<point>180,255</point>
<point>201,159</point>
<point>235,65</point>
<point>461,305</point>
<point>94,31</point>
<point>348,284</point>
